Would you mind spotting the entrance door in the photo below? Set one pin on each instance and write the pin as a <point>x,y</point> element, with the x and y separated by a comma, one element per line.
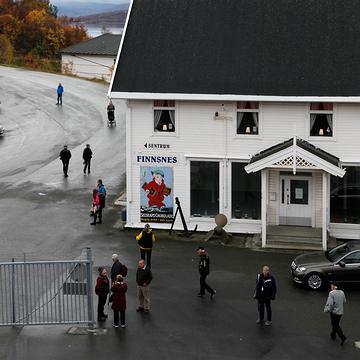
<point>295,201</point>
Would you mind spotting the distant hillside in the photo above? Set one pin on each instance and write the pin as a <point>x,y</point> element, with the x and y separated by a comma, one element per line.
<point>75,9</point>
<point>110,19</point>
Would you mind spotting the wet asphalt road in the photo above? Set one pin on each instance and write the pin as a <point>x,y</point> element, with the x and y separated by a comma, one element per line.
<point>46,216</point>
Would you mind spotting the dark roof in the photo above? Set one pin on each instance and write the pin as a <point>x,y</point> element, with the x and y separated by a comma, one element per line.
<point>106,44</point>
<point>300,143</point>
<point>242,47</point>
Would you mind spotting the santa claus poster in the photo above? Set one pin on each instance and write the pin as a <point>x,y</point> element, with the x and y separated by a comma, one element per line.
<point>156,199</point>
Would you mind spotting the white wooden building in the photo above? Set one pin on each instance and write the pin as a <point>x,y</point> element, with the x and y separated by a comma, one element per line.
<point>93,58</point>
<point>259,125</point>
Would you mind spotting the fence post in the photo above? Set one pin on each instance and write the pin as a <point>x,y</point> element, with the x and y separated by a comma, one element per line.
<point>89,287</point>
<point>13,292</point>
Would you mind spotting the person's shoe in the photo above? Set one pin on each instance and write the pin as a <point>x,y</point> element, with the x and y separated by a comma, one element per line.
<point>115,326</point>
<point>333,336</point>
<point>212,295</point>
<point>92,223</point>
<point>343,340</point>
<point>66,175</point>
<point>140,308</point>
<point>259,321</point>
<point>268,323</point>
<point>84,172</point>
<point>88,172</point>
<point>200,295</point>
<point>99,222</point>
<point>123,325</point>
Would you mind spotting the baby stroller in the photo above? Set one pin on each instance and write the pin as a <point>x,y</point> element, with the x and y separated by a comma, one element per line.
<point>111,118</point>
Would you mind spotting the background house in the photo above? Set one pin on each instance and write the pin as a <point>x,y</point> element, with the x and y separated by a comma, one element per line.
<point>94,58</point>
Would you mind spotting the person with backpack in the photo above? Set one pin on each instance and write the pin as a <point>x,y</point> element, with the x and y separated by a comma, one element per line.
<point>102,289</point>
<point>145,241</point>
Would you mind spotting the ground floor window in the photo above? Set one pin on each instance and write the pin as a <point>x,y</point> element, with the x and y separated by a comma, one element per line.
<point>345,197</point>
<point>204,188</point>
<point>245,193</point>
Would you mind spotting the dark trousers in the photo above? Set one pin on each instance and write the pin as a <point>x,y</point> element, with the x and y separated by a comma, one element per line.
<point>59,99</point>
<point>146,253</point>
<point>122,317</point>
<point>87,165</point>
<point>101,304</point>
<point>336,329</point>
<point>65,167</point>
<point>99,214</point>
<point>204,286</point>
<point>261,308</point>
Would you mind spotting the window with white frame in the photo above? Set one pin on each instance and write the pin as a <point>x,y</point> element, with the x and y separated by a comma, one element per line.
<point>164,115</point>
<point>247,118</point>
<point>321,119</point>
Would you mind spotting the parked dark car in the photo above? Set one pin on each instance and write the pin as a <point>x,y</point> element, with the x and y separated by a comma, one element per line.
<point>341,264</point>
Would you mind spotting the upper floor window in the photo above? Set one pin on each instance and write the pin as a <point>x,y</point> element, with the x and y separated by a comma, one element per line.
<point>247,118</point>
<point>321,119</point>
<point>164,115</point>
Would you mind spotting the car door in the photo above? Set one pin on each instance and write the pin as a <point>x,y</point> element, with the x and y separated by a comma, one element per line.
<point>351,271</point>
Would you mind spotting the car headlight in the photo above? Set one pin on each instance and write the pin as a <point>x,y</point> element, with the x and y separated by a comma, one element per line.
<point>301,268</point>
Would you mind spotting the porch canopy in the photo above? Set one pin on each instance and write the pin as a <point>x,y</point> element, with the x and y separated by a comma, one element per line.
<point>296,154</point>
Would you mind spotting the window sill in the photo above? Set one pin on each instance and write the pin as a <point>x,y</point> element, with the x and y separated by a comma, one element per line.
<point>248,136</point>
<point>322,138</point>
<point>165,134</point>
<point>245,221</point>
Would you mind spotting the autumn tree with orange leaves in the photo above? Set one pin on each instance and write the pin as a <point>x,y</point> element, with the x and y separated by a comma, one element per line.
<point>33,29</point>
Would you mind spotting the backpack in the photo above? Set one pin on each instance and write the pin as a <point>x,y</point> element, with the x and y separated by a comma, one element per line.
<point>124,270</point>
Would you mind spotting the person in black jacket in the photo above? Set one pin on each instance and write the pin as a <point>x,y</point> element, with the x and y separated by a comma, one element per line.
<point>145,241</point>
<point>102,289</point>
<point>116,268</point>
<point>143,280</point>
<point>87,155</point>
<point>265,291</point>
<point>204,270</point>
<point>65,156</point>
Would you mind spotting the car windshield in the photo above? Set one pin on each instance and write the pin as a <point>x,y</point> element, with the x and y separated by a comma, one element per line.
<point>337,252</point>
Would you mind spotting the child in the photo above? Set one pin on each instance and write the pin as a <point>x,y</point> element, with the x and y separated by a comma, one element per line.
<point>96,205</point>
<point>119,288</point>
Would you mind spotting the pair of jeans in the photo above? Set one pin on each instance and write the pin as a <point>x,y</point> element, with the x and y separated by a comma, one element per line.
<point>87,165</point>
<point>144,297</point>
<point>101,305</point>
<point>261,307</point>
<point>59,99</point>
<point>146,253</point>
<point>65,167</point>
<point>204,286</point>
<point>336,329</point>
<point>122,317</point>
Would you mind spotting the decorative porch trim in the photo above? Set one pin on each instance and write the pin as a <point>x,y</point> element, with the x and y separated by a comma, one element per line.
<point>292,156</point>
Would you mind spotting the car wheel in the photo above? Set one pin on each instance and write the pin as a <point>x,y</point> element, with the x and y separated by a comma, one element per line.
<point>314,281</point>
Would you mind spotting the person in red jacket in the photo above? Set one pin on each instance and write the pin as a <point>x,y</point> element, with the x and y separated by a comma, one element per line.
<point>96,205</point>
<point>102,290</point>
<point>119,288</point>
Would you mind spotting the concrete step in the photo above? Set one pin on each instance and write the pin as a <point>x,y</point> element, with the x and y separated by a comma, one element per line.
<point>297,231</point>
<point>294,246</point>
<point>293,239</point>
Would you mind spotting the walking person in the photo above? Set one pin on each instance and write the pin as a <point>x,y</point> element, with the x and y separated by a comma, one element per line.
<point>102,194</point>
<point>335,306</point>
<point>204,270</point>
<point>116,268</point>
<point>145,241</point>
<point>95,205</point>
<point>265,291</point>
<point>119,288</point>
<point>143,280</point>
<point>87,155</point>
<point>102,289</point>
<point>111,112</point>
<point>65,156</point>
<point>59,91</point>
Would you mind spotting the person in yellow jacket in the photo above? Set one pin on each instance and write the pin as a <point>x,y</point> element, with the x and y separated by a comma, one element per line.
<point>145,241</point>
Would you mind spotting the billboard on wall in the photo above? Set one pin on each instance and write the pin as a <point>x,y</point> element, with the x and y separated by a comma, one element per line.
<point>156,194</point>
